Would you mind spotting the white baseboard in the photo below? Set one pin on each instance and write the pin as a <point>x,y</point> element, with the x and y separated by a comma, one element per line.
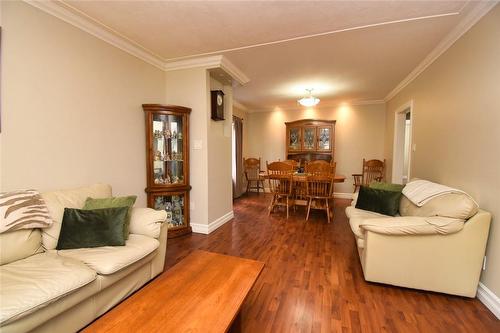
<point>488,298</point>
<point>212,226</point>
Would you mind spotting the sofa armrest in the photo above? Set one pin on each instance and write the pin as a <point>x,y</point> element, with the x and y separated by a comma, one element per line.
<point>412,225</point>
<point>147,221</point>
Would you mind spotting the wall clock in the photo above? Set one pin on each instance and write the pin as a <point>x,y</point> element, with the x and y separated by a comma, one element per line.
<point>217,104</point>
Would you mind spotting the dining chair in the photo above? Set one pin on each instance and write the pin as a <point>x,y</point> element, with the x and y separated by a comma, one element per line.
<point>373,170</point>
<point>254,180</point>
<point>318,166</point>
<point>319,189</point>
<point>294,163</point>
<point>279,175</point>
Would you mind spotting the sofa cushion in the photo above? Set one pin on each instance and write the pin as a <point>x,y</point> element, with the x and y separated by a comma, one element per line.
<point>113,202</point>
<point>380,201</point>
<point>147,221</point>
<point>110,259</point>
<point>452,205</point>
<point>92,228</point>
<point>19,244</point>
<point>56,201</point>
<point>37,281</point>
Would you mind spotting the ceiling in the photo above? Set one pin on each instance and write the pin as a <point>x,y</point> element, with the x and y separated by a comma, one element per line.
<point>348,51</point>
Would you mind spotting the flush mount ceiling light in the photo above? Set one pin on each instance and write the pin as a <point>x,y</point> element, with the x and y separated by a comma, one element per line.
<point>309,100</point>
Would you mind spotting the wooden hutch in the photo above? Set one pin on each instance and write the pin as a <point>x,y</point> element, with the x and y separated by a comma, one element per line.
<point>167,164</point>
<point>310,139</point>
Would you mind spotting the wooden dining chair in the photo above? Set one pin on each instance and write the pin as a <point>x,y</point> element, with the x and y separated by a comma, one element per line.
<point>319,189</point>
<point>373,170</point>
<point>318,166</point>
<point>251,168</point>
<point>279,175</point>
<point>295,164</point>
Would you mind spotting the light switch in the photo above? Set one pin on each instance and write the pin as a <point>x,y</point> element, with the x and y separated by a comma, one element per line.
<point>197,144</point>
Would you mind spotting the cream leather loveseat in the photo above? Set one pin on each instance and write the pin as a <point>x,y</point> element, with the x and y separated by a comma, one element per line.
<point>45,290</point>
<point>428,247</point>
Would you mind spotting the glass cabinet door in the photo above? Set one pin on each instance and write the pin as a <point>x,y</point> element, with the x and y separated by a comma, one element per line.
<point>309,138</point>
<point>325,138</point>
<point>294,138</point>
<point>168,154</point>
<point>174,205</point>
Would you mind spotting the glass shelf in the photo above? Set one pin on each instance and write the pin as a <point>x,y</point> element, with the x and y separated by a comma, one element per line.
<point>168,133</point>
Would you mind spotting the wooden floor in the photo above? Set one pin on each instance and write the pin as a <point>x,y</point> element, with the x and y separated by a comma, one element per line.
<point>312,281</point>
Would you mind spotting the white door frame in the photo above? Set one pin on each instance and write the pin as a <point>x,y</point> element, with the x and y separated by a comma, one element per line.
<point>398,144</point>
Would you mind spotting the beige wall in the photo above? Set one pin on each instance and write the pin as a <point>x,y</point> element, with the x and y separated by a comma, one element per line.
<point>71,106</point>
<point>359,133</point>
<point>220,188</point>
<point>455,124</point>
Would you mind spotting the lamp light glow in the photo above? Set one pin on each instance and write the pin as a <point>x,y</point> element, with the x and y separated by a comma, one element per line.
<point>309,100</point>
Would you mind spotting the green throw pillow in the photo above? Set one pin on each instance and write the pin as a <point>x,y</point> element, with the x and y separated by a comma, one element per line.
<point>386,186</point>
<point>92,228</point>
<point>379,201</point>
<point>114,202</point>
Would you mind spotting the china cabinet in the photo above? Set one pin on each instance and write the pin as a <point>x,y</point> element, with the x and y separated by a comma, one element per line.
<point>310,139</point>
<point>167,164</point>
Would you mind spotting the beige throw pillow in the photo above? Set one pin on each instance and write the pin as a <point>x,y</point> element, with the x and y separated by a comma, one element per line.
<point>24,209</point>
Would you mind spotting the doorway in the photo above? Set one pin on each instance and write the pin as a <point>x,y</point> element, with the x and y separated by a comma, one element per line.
<point>237,156</point>
<point>401,165</point>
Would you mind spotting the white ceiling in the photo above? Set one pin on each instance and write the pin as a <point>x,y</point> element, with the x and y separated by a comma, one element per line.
<point>359,52</point>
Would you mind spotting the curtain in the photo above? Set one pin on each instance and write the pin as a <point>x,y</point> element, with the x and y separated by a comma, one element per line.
<point>237,157</point>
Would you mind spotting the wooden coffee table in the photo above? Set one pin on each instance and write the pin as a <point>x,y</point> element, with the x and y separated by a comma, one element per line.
<point>202,293</point>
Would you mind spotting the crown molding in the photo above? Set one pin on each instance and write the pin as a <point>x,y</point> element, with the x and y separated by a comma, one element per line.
<point>481,9</point>
<point>217,61</point>
<point>69,15</point>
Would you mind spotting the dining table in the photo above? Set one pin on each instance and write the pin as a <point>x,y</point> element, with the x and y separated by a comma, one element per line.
<point>299,180</point>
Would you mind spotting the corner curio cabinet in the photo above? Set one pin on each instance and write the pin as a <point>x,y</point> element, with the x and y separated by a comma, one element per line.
<point>167,164</point>
<point>310,139</point>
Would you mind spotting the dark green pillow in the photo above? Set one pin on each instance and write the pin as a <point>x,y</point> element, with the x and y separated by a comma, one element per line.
<point>379,201</point>
<point>92,228</point>
<point>114,202</point>
<point>386,186</point>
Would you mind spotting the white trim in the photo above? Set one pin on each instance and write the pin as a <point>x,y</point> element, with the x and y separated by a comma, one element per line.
<point>217,61</point>
<point>208,62</point>
<point>78,19</point>
<point>489,299</point>
<point>212,226</point>
<point>395,161</point>
<point>481,8</point>
<point>233,71</point>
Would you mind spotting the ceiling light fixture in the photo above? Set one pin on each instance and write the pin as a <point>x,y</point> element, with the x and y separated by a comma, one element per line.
<point>309,100</point>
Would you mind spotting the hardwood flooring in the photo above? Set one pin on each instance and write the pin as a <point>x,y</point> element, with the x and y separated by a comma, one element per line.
<point>312,281</point>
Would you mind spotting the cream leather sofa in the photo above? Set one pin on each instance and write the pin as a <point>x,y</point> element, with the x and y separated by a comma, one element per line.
<point>45,290</point>
<point>428,247</point>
